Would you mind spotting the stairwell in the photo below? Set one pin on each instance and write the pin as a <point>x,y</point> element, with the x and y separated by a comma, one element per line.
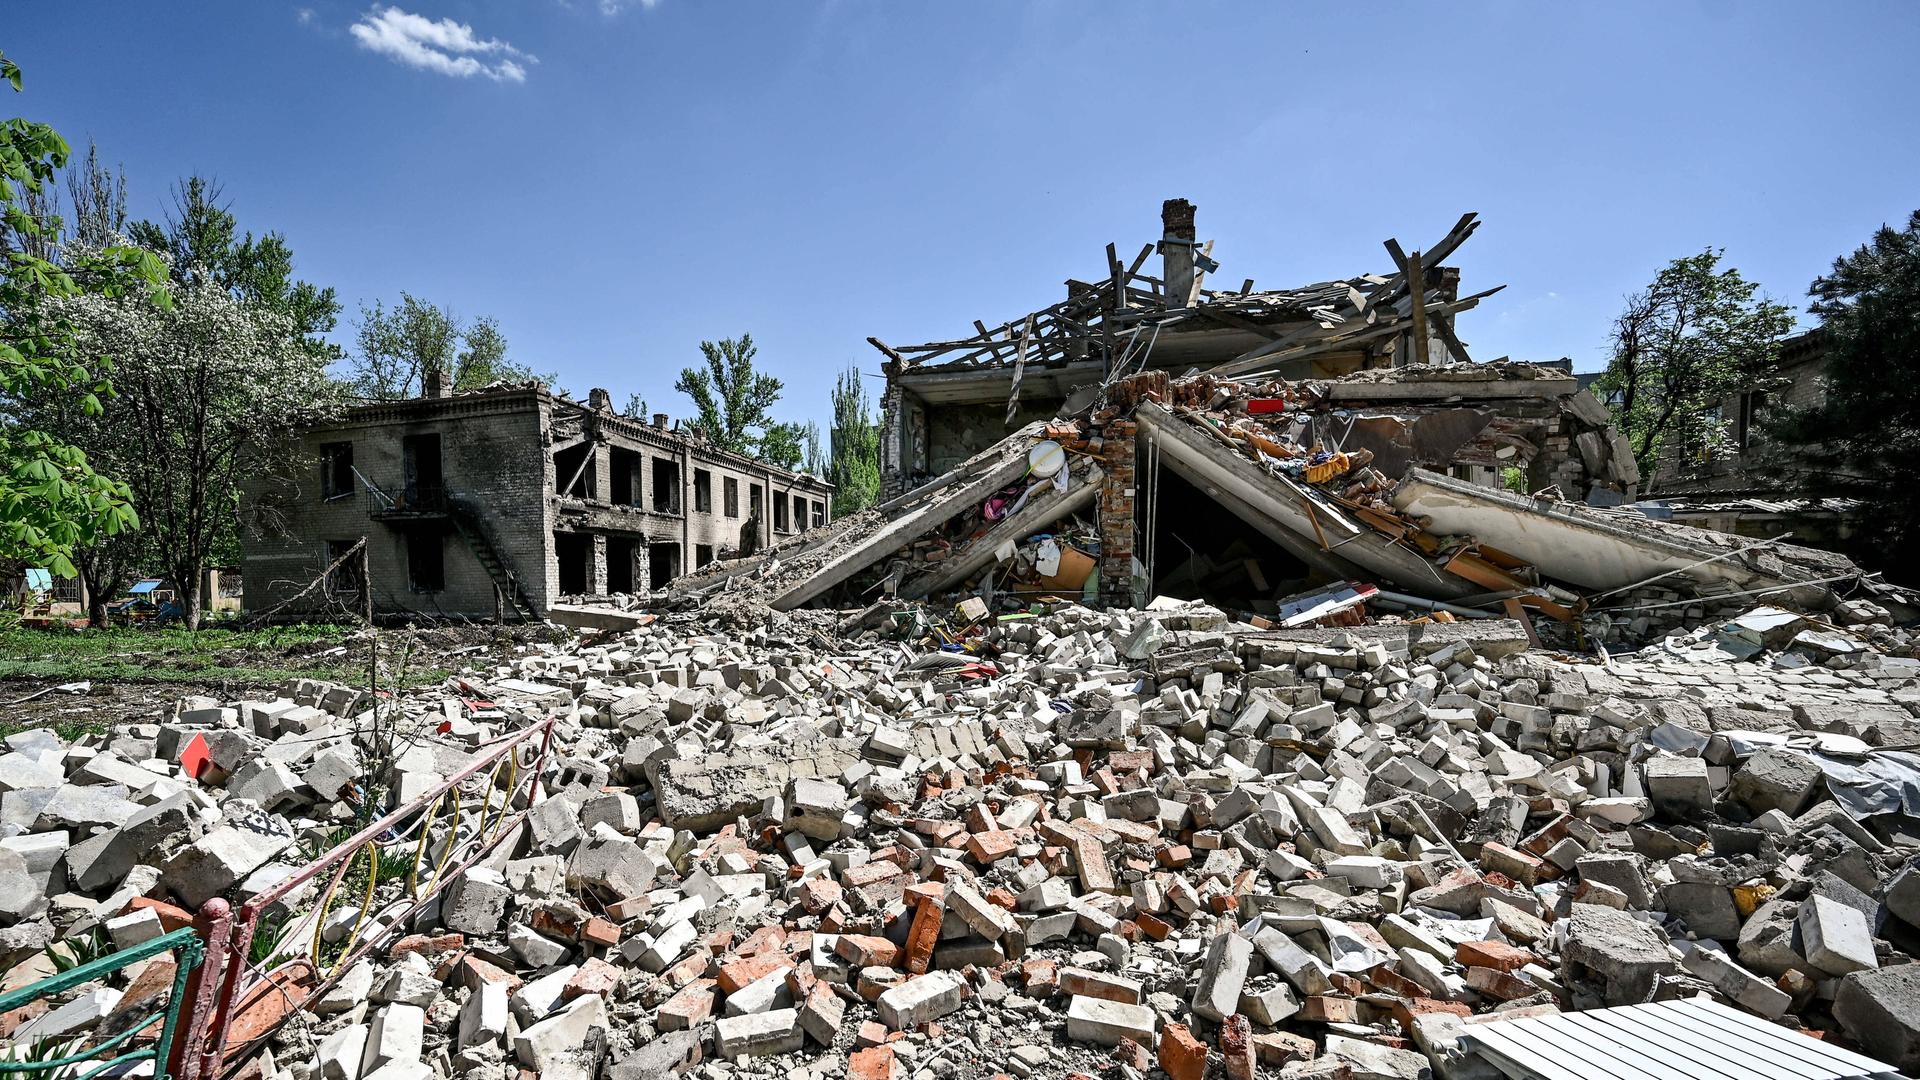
<point>472,530</point>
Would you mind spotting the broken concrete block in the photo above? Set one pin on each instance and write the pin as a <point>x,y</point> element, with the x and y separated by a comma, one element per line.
<point>567,1045</point>
<point>1679,785</point>
<point>756,1035</point>
<point>1783,780</point>
<point>475,902</point>
<point>1216,995</point>
<point>1880,1009</point>
<point>1108,1023</point>
<point>222,859</point>
<point>920,1000</point>
<point>1834,938</point>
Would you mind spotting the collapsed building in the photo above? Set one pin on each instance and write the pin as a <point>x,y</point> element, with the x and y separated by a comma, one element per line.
<point>1269,452</point>
<point>498,502</point>
<point>1195,722</point>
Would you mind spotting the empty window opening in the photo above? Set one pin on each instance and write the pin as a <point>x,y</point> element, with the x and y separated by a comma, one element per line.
<point>425,484</point>
<point>755,499</point>
<point>666,486</point>
<point>730,496</point>
<point>663,564</point>
<point>426,560</point>
<point>336,469</point>
<point>573,552</point>
<point>620,554</point>
<point>702,491</point>
<point>702,555</point>
<point>344,579</point>
<point>1202,551</point>
<point>573,470</point>
<point>624,467</point>
<point>819,514</point>
<point>781,523</point>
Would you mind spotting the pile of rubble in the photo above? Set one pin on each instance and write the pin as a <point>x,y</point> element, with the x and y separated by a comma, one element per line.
<point>1105,843</point>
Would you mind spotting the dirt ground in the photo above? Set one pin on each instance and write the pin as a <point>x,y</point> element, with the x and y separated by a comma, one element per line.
<point>74,683</point>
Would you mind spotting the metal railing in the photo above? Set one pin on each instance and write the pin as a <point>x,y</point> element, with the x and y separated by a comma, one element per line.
<point>245,987</point>
<point>62,1056</point>
<point>412,499</point>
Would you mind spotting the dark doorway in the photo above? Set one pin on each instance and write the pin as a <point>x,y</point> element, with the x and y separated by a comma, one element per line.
<point>574,554</point>
<point>425,483</point>
<point>426,560</point>
<point>663,564</point>
<point>620,552</point>
<point>1202,550</point>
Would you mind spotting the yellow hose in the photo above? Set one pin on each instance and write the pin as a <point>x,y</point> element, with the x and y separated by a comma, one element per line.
<point>326,903</point>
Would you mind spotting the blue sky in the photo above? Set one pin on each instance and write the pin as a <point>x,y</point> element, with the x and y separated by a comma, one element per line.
<point>615,180</point>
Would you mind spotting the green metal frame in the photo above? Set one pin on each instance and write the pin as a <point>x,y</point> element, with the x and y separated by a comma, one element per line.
<point>188,951</point>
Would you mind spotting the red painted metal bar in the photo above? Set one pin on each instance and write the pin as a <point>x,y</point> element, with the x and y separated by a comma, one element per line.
<point>213,923</point>
<point>233,984</point>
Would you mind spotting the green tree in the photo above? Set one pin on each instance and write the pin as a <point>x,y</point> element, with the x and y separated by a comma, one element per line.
<point>1697,335</point>
<point>98,197</point>
<point>735,403</point>
<point>395,349</point>
<point>203,387</point>
<point>636,408</point>
<point>1863,439</point>
<point>52,501</point>
<point>202,241</point>
<point>853,464</point>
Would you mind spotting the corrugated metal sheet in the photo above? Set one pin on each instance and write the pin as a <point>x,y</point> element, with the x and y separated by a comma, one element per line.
<point>1694,1039</point>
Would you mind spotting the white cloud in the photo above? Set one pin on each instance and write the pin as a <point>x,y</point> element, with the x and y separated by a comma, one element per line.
<point>305,16</point>
<point>442,46</point>
<point>615,7</point>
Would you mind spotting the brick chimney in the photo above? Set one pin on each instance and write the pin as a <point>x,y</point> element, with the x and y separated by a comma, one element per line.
<point>434,382</point>
<point>660,420</point>
<point>599,400</point>
<point>1176,251</point>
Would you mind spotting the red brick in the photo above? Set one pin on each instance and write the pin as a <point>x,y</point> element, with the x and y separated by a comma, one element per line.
<point>1236,1045</point>
<point>688,1008</point>
<point>600,932</point>
<point>738,973</point>
<point>867,950</point>
<point>1182,1056</point>
<point>873,1063</point>
<point>594,977</point>
<point>988,847</point>
<point>923,936</point>
<point>1497,955</point>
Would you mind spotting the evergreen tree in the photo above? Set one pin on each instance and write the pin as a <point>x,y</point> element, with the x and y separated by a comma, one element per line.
<point>853,464</point>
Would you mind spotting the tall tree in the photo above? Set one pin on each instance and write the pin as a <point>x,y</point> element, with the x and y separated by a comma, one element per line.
<point>853,465</point>
<point>1863,439</point>
<point>201,388</point>
<point>636,407</point>
<point>395,349</point>
<point>1697,335</point>
<point>735,402</point>
<point>202,240</point>
<point>52,501</point>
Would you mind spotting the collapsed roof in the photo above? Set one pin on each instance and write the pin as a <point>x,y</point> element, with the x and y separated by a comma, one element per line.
<point>1399,480</point>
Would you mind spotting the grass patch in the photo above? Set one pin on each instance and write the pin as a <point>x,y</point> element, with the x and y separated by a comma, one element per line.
<point>265,656</point>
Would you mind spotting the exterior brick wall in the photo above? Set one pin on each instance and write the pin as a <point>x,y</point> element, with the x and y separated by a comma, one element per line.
<point>498,454</point>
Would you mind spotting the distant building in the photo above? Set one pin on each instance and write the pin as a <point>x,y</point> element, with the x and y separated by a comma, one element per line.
<point>499,502</point>
<point>1755,486</point>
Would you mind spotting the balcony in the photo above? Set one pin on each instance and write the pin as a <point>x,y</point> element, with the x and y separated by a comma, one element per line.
<point>417,502</point>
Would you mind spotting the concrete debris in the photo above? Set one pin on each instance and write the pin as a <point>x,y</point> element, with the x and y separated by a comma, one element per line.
<point>797,851</point>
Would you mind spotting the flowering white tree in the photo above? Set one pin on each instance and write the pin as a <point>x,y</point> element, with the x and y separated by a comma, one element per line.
<point>207,392</point>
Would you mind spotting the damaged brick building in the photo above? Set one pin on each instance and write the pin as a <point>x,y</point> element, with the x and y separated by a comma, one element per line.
<point>1368,365</point>
<point>498,502</point>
